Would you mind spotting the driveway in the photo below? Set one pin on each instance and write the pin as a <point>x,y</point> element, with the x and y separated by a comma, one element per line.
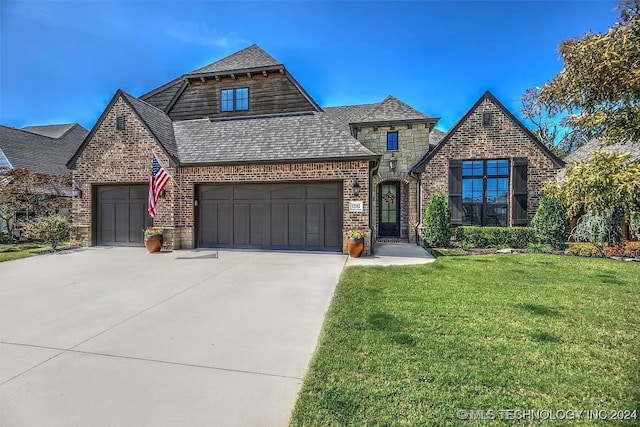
<point>119,337</point>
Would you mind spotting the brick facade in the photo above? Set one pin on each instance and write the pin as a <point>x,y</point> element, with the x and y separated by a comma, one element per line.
<point>123,157</point>
<point>503,139</point>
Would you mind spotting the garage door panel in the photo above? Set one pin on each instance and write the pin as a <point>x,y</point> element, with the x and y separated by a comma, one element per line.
<point>277,216</point>
<point>328,191</point>
<point>121,215</point>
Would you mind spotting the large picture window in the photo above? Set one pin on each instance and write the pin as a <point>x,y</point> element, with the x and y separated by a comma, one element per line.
<point>485,192</point>
<point>234,99</point>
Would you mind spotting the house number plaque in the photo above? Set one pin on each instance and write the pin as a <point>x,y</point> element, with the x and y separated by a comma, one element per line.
<point>355,206</point>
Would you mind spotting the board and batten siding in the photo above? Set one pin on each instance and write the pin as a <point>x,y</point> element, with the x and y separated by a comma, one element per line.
<point>267,95</point>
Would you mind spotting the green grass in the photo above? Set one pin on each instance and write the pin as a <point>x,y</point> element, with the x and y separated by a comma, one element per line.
<point>413,345</point>
<point>9,252</point>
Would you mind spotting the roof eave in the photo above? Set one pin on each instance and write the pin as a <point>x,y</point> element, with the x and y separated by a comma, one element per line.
<point>429,120</point>
<point>367,157</point>
<point>193,75</point>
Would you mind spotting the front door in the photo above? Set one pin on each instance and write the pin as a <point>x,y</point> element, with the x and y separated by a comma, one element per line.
<point>389,198</point>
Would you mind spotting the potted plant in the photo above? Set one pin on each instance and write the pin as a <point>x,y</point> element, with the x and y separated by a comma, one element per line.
<point>153,239</point>
<point>355,241</point>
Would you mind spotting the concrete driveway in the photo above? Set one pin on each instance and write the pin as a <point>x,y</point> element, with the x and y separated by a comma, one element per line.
<point>119,337</point>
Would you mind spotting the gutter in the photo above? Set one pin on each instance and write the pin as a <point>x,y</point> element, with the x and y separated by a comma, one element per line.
<point>372,172</point>
<point>416,176</point>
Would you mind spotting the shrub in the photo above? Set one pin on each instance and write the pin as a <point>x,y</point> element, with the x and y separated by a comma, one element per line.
<point>484,237</point>
<point>634,224</point>
<point>50,229</point>
<point>551,223</point>
<point>599,228</point>
<point>437,222</point>
<point>626,249</point>
<point>586,249</point>
<point>4,236</point>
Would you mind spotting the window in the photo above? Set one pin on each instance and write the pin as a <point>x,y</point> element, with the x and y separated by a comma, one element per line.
<point>486,118</point>
<point>392,141</point>
<point>485,191</point>
<point>120,123</point>
<point>234,99</point>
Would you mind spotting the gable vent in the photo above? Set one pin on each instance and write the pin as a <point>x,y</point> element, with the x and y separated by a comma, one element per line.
<point>486,118</point>
<point>120,123</point>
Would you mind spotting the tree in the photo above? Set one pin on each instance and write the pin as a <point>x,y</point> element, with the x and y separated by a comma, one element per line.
<point>552,130</point>
<point>437,222</point>
<point>605,182</point>
<point>599,85</point>
<point>551,222</point>
<point>22,191</point>
<point>50,229</point>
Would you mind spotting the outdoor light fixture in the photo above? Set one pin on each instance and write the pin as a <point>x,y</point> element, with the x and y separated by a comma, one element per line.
<point>392,162</point>
<point>356,188</point>
<point>76,192</point>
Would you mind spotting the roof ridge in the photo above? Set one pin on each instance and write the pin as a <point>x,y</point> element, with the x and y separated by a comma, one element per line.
<point>144,102</point>
<point>31,133</point>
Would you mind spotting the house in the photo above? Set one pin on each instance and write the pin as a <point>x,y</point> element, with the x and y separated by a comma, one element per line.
<point>257,163</point>
<point>42,150</point>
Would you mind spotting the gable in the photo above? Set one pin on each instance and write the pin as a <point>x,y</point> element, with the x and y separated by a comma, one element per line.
<point>142,122</point>
<point>471,135</point>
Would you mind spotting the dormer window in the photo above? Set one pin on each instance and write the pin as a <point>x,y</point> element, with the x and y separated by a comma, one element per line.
<point>234,99</point>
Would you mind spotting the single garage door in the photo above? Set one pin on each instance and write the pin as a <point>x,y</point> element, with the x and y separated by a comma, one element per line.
<point>300,216</point>
<point>121,215</point>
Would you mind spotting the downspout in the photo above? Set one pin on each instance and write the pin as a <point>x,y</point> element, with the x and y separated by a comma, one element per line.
<point>416,176</point>
<point>372,172</point>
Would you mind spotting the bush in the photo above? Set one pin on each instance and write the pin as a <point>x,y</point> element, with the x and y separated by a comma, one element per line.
<point>586,249</point>
<point>634,224</point>
<point>551,223</point>
<point>4,236</point>
<point>626,249</point>
<point>599,228</point>
<point>437,222</point>
<point>50,229</point>
<point>484,237</point>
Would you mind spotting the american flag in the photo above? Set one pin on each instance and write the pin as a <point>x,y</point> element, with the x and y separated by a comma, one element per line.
<point>158,180</point>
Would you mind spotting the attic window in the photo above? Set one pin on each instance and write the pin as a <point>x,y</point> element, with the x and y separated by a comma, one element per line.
<point>486,118</point>
<point>120,123</point>
<point>234,99</point>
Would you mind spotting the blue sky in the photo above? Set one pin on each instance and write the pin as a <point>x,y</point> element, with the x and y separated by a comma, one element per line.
<point>63,61</point>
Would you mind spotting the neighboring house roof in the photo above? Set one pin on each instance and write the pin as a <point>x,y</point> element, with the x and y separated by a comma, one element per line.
<point>582,153</point>
<point>52,131</point>
<point>436,136</point>
<point>290,137</point>
<point>248,58</point>
<point>39,153</point>
<point>419,167</point>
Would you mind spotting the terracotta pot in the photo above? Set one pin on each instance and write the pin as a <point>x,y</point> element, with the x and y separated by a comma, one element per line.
<point>153,244</point>
<point>355,247</point>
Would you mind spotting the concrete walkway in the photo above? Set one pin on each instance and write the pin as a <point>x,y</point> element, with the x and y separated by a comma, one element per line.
<point>394,254</point>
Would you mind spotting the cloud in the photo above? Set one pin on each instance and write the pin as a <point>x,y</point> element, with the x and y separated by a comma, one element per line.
<point>198,32</point>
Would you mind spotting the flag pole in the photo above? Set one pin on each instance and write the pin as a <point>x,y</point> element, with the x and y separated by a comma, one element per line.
<point>172,180</point>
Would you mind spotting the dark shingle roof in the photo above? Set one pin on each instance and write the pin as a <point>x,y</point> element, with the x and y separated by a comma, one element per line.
<point>39,153</point>
<point>307,136</point>
<point>157,121</point>
<point>390,110</point>
<point>245,59</point>
<point>52,131</point>
<point>582,153</point>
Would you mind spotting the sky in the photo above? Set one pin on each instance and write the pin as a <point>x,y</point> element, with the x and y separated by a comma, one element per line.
<point>62,61</point>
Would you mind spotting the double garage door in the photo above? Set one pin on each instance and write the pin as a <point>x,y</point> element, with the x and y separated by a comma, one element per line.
<point>300,216</point>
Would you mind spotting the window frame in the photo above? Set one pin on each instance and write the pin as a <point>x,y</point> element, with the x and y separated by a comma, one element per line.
<point>397,142</point>
<point>234,99</point>
<point>495,172</point>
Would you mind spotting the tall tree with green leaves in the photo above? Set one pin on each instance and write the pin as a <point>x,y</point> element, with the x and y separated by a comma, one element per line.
<point>599,85</point>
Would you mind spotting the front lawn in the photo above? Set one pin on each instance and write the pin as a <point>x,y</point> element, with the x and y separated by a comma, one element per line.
<point>10,252</point>
<point>416,345</point>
